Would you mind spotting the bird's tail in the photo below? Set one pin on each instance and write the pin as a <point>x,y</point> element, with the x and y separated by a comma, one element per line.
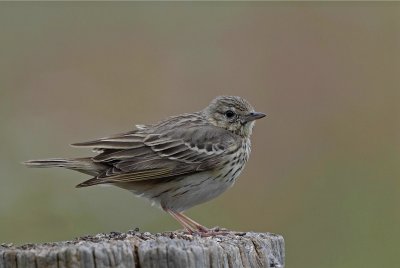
<point>84,165</point>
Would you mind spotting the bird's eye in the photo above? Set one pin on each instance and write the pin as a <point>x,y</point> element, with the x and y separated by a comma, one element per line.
<point>229,114</point>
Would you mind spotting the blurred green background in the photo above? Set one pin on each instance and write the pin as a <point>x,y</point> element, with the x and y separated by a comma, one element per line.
<point>324,171</point>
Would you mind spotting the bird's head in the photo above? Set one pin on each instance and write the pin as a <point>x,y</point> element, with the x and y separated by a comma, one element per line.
<point>232,113</point>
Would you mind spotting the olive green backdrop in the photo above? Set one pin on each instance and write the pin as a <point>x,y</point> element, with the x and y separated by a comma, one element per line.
<point>324,171</point>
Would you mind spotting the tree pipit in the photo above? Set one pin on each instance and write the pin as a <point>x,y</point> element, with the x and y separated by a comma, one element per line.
<point>180,162</point>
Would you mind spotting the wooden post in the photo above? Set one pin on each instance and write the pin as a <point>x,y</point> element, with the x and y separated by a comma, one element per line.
<point>134,249</point>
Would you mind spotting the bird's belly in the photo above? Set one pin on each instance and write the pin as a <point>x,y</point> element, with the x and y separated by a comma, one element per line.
<point>182,193</point>
<point>194,190</point>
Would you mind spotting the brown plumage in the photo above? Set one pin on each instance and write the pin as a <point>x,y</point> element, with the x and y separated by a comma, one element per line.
<point>177,163</point>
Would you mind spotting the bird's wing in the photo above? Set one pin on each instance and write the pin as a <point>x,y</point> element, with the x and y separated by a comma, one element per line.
<point>138,156</point>
<point>126,140</point>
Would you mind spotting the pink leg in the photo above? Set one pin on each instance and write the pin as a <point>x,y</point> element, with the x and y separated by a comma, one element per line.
<point>203,231</point>
<point>185,225</point>
<point>192,226</point>
<point>193,223</point>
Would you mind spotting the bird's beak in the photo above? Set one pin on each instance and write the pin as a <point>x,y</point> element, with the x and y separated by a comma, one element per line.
<point>254,116</point>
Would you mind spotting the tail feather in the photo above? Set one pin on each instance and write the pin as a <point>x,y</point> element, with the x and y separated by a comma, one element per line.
<point>48,163</point>
<point>84,165</point>
<point>90,182</point>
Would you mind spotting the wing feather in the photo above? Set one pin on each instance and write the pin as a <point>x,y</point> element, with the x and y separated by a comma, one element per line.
<point>121,141</point>
<point>137,156</point>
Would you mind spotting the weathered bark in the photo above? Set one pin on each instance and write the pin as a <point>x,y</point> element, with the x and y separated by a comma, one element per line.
<point>133,249</point>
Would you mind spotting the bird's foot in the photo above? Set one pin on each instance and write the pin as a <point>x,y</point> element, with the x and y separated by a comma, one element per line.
<point>205,232</point>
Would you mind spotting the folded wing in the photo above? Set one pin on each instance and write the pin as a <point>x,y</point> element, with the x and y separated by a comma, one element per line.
<point>139,156</point>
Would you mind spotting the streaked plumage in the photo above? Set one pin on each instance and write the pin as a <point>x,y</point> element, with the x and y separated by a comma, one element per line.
<point>177,163</point>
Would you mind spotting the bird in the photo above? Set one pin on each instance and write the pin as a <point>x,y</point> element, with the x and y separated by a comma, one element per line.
<point>177,163</point>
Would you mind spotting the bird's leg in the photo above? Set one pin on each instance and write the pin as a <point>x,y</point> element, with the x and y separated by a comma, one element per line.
<point>202,230</point>
<point>185,225</point>
<point>193,223</point>
<point>192,226</point>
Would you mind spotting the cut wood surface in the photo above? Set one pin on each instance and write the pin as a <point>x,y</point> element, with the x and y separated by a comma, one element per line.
<point>135,249</point>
